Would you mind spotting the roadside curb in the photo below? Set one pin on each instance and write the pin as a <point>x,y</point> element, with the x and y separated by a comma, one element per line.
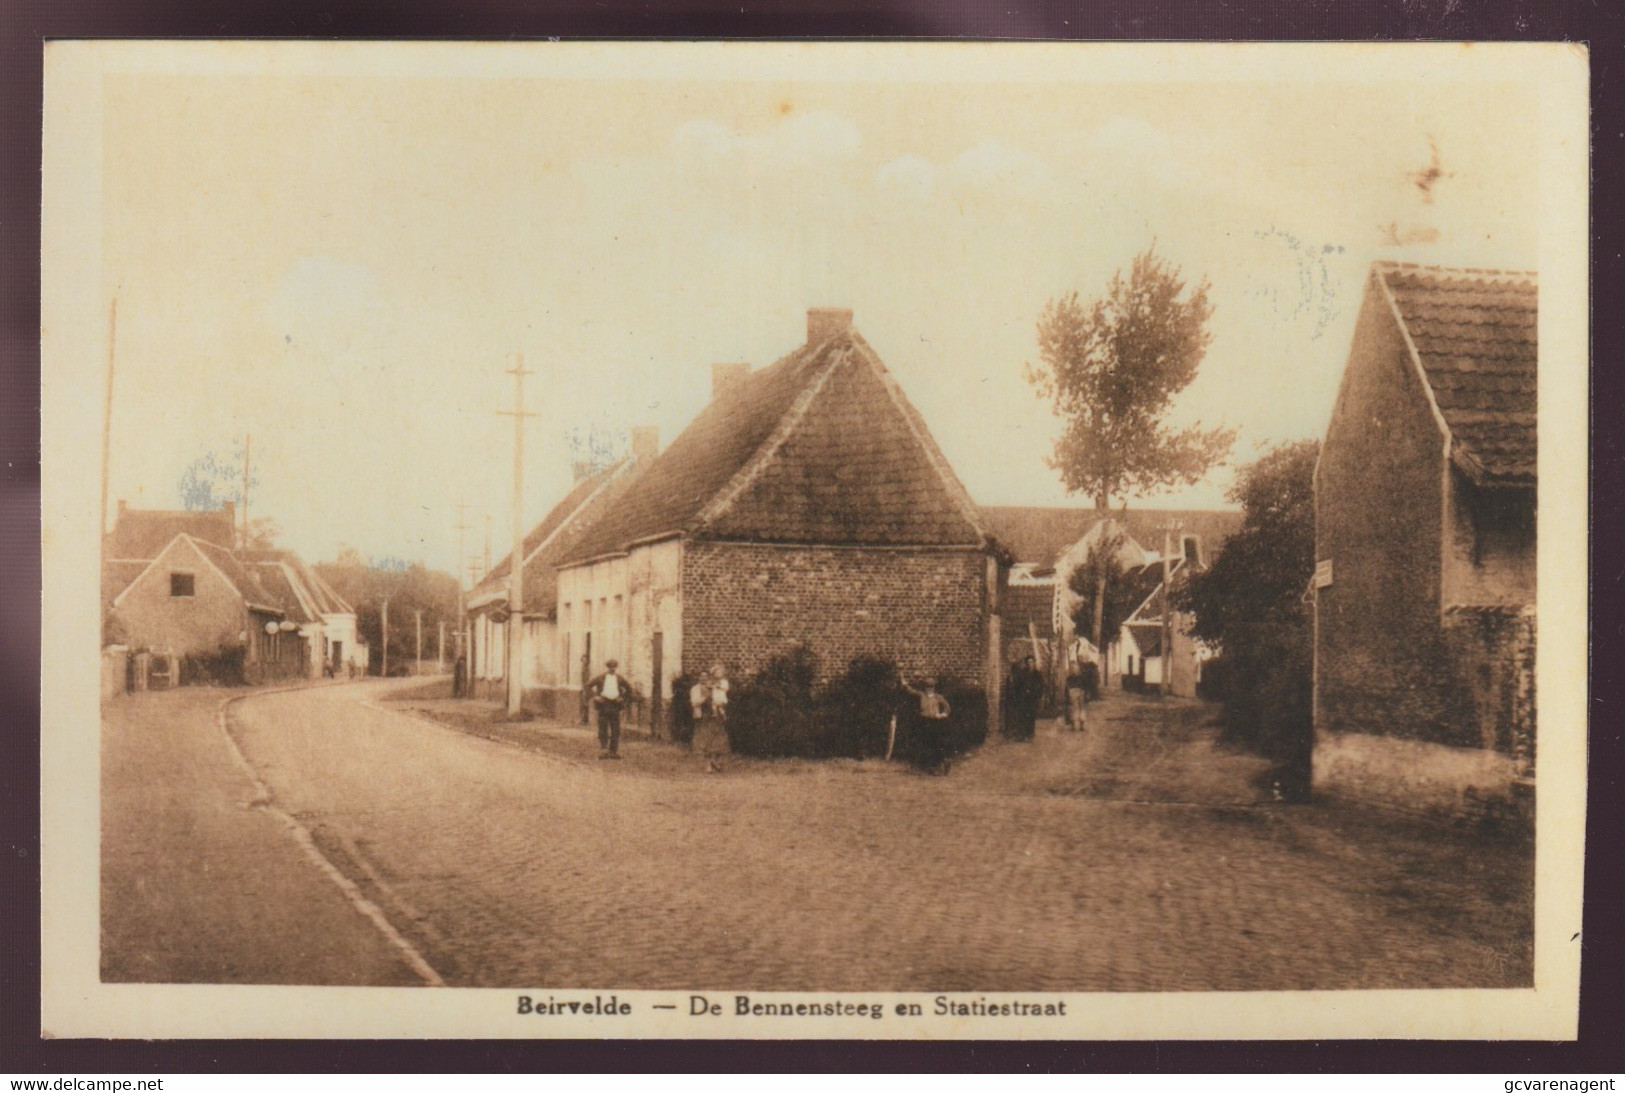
<point>264,800</point>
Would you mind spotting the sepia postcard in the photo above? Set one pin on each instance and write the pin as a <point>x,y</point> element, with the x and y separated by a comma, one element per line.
<point>813,540</point>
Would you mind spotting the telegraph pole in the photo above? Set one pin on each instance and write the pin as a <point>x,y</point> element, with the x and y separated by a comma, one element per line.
<point>516,563</point>
<point>417,662</point>
<point>460,570</point>
<point>107,411</point>
<point>1167,608</point>
<point>383,667</point>
<point>246,439</point>
<point>440,649</point>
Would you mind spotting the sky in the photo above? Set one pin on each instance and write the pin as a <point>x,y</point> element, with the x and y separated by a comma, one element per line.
<point>344,265</point>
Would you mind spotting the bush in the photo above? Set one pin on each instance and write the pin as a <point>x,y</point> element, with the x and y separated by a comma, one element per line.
<point>773,712</point>
<point>225,667</point>
<point>1267,686</point>
<point>856,707</point>
<point>782,712</point>
<point>1214,685</point>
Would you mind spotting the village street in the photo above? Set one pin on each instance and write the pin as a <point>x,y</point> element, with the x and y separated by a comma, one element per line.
<point>522,862</point>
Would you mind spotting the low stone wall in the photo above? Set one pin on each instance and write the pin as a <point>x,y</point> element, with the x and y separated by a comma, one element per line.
<point>115,672</point>
<point>1417,777</point>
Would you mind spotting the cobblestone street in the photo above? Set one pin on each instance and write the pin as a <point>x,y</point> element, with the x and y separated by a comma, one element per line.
<point>508,856</point>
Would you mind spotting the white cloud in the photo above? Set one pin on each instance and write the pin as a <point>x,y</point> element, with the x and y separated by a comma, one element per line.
<point>910,177</point>
<point>994,164</point>
<point>1128,144</point>
<point>802,139</point>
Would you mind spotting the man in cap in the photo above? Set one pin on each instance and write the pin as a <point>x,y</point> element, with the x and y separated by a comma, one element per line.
<point>609,692</point>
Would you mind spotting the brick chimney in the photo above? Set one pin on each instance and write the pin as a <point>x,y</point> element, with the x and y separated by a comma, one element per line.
<point>724,376</point>
<point>823,323</point>
<point>645,442</point>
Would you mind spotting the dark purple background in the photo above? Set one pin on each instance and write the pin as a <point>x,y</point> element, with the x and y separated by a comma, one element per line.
<point>27,24</point>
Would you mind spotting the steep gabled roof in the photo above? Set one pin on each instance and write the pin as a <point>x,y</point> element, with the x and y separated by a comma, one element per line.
<point>235,574</point>
<point>315,595</point>
<point>1474,337</point>
<point>1040,535</point>
<point>557,533</point>
<point>282,588</point>
<point>819,447</point>
<point>143,533</point>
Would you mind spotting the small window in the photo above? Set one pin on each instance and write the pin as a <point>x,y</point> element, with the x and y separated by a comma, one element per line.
<point>180,584</point>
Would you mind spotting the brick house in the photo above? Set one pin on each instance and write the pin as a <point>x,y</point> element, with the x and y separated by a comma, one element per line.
<point>806,503</point>
<point>1425,499</point>
<point>542,656</point>
<point>179,596</point>
<point>1050,543</point>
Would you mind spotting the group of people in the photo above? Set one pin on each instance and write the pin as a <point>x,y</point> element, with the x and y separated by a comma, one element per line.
<point>702,720</point>
<point>1024,688</point>
<point>704,716</point>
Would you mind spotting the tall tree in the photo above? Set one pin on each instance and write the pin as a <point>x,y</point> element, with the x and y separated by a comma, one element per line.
<point>1110,370</point>
<point>1100,580</point>
<point>1261,574</point>
<point>1249,604</point>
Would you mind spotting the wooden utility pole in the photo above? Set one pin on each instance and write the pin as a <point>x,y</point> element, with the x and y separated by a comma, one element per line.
<point>246,440</point>
<point>460,570</point>
<point>383,667</point>
<point>516,560</point>
<point>417,660</point>
<point>440,649</point>
<point>1167,607</point>
<point>107,409</point>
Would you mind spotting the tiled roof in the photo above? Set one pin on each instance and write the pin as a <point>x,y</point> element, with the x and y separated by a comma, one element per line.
<point>280,587</point>
<point>143,533</point>
<point>557,534</point>
<point>317,596</point>
<point>1475,335</point>
<point>820,447</point>
<point>252,592</point>
<point>117,576</point>
<point>1148,636</point>
<point>1028,603</point>
<point>1040,534</point>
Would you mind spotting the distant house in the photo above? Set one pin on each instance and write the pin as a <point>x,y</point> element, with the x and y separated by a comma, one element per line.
<point>179,596</point>
<point>200,614</point>
<point>1049,544</point>
<point>545,671</point>
<point>326,621</point>
<point>806,503</point>
<point>1425,497</point>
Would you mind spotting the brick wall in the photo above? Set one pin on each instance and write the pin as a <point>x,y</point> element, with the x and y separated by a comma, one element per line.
<point>743,604</point>
<point>1493,656</point>
<point>1382,665</point>
<point>1490,551</point>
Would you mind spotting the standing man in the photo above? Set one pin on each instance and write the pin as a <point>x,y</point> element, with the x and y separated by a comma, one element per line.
<point>609,692</point>
<point>933,750</point>
<point>1026,685</point>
